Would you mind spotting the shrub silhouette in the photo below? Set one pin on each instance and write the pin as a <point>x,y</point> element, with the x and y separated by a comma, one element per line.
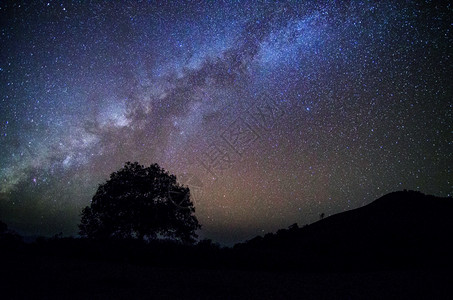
<point>9,240</point>
<point>141,203</point>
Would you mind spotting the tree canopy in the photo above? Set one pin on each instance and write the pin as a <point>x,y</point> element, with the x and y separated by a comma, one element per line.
<point>140,203</point>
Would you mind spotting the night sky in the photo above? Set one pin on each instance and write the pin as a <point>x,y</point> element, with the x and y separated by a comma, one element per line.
<point>272,112</point>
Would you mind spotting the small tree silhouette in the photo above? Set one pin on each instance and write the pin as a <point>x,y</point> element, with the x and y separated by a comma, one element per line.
<point>321,216</point>
<point>8,237</point>
<point>135,204</point>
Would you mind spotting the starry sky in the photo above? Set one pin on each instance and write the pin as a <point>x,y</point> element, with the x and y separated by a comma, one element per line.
<point>272,112</point>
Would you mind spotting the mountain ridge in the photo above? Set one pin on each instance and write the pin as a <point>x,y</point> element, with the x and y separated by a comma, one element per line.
<point>404,227</point>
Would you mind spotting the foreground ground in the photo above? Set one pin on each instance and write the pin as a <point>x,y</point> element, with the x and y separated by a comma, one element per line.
<point>45,277</point>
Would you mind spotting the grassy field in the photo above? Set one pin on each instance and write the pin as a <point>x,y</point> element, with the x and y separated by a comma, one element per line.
<point>45,277</point>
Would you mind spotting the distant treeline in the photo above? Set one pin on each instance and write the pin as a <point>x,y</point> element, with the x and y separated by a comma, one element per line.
<point>403,230</point>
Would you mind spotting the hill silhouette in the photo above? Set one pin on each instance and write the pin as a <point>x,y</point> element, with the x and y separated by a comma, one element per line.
<point>400,229</point>
<point>396,247</point>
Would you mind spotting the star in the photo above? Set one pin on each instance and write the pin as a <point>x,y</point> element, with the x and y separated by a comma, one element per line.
<point>278,111</point>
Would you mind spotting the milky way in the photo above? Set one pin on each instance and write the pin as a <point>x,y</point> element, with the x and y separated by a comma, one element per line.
<point>271,112</point>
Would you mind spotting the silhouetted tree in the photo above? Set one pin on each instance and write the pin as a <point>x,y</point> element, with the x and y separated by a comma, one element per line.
<point>207,244</point>
<point>140,203</point>
<point>8,237</point>
<point>321,216</point>
<point>293,227</point>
